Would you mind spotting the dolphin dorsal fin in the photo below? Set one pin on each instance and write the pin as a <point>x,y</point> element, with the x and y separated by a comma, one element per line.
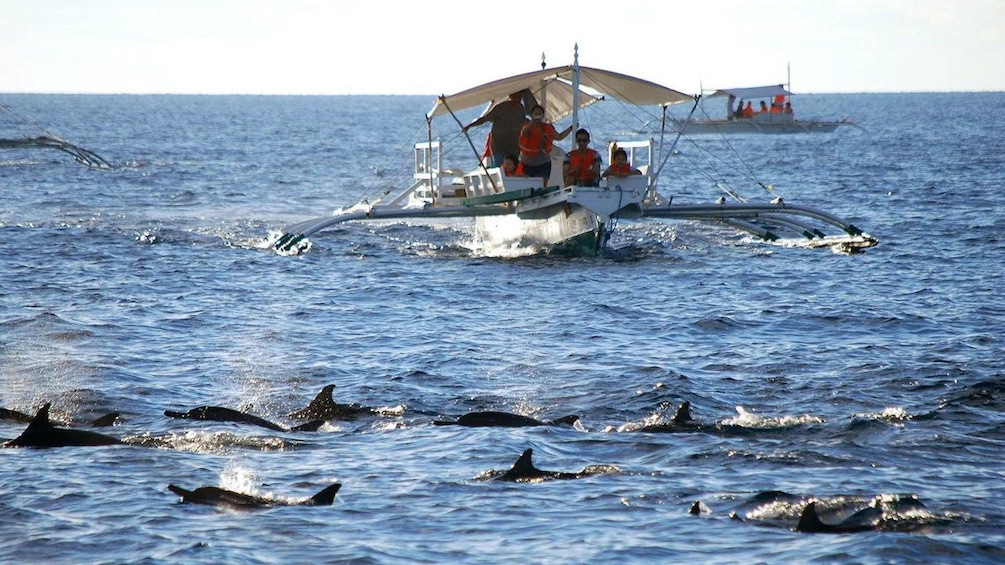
<point>524,465</point>
<point>809,520</point>
<point>322,404</point>
<point>683,414</point>
<point>324,398</point>
<point>41,419</point>
<point>327,495</point>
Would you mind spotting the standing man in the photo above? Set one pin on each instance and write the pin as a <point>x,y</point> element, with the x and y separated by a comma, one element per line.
<point>507,118</point>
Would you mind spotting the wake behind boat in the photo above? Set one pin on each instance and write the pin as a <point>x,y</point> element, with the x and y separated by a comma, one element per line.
<point>513,211</point>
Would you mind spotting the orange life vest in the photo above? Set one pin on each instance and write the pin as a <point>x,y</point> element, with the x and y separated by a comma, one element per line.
<point>580,163</point>
<point>536,141</point>
<point>517,172</point>
<point>488,147</point>
<point>616,170</point>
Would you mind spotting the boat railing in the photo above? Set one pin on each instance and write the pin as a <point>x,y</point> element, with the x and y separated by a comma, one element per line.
<point>635,182</point>
<point>482,182</point>
<point>640,156</point>
<point>640,152</point>
<point>428,161</point>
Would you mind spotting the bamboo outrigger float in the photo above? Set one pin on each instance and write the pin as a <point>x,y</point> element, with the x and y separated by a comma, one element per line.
<point>83,156</point>
<point>45,140</point>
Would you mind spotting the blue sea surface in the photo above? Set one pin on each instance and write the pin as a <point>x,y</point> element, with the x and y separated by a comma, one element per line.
<point>820,375</point>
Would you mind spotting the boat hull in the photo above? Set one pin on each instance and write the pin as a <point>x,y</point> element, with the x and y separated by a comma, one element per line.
<point>757,126</point>
<point>559,225</point>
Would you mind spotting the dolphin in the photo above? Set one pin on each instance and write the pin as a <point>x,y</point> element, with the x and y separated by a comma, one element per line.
<point>216,496</point>
<point>866,519</point>
<point>682,421</point>
<point>16,416</point>
<point>324,407</point>
<point>106,420</point>
<point>524,471</point>
<point>41,433</point>
<point>221,414</point>
<point>504,420</point>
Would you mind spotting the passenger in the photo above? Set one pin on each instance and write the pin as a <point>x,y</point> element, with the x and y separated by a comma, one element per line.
<point>536,141</point>
<point>739,110</point>
<point>729,107</point>
<point>779,103</point>
<point>512,167</point>
<point>507,119</point>
<point>582,164</point>
<point>619,167</point>
<point>788,108</point>
<point>763,109</point>
<point>748,110</point>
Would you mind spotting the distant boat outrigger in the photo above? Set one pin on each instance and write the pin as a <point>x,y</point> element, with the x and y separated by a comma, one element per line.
<point>542,213</point>
<point>775,120</point>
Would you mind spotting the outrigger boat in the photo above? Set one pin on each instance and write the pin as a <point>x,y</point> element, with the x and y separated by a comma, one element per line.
<point>542,213</point>
<point>762,122</point>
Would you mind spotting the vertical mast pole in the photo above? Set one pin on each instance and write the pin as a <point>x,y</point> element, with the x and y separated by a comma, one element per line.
<point>575,94</point>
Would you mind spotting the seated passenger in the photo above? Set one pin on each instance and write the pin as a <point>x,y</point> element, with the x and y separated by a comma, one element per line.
<point>763,109</point>
<point>512,167</point>
<point>619,167</point>
<point>777,103</point>
<point>748,110</point>
<point>582,165</point>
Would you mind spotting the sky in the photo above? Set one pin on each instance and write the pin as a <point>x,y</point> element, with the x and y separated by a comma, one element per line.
<point>410,47</point>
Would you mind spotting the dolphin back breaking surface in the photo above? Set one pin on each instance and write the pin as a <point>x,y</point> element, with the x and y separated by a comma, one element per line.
<point>216,496</point>
<point>41,433</point>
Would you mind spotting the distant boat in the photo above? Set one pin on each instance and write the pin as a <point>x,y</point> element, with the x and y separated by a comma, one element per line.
<point>511,211</point>
<point>46,140</point>
<point>761,122</point>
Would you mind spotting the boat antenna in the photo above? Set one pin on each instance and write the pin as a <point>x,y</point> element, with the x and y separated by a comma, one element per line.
<point>543,64</point>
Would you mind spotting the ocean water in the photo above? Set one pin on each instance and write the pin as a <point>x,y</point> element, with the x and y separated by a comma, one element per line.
<point>815,375</point>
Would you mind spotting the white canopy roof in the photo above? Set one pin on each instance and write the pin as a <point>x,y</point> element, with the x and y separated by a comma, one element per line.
<point>752,92</point>
<point>558,82</point>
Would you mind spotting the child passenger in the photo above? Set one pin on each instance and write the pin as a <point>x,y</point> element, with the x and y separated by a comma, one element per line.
<point>512,167</point>
<point>619,167</point>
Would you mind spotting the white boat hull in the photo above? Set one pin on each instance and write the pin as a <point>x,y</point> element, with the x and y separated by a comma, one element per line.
<point>554,226</point>
<point>754,125</point>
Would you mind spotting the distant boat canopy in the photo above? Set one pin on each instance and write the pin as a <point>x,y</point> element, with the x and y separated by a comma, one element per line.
<point>769,91</point>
